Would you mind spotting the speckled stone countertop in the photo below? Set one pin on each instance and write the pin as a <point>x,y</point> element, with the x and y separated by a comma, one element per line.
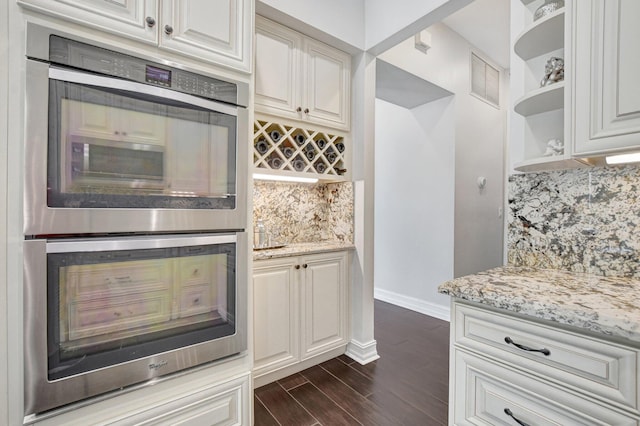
<point>605,305</point>
<point>302,248</point>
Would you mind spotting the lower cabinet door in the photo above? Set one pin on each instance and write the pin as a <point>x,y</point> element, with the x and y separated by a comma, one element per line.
<point>486,393</point>
<point>324,297</point>
<point>275,315</point>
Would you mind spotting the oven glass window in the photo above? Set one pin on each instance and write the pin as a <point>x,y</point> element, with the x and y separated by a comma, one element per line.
<point>106,308</point>
<point>117,149</point>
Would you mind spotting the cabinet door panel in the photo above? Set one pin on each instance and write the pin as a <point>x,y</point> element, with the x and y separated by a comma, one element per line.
<point>277,70</point>
<point>211,30</point>
<point>324,301</point>
<point>328,74</point>
<point>122,17</point>
<point>607,100</point>
<point>275,317</point>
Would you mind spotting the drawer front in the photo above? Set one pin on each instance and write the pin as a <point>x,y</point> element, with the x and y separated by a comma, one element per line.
<point>605,369</point>
<point>489,394</point>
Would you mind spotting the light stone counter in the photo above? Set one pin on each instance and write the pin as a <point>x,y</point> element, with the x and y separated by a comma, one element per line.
<point>605,305</point>
<point>298,249</point>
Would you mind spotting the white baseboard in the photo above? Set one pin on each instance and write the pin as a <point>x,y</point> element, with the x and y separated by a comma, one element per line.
<point>414,304</point>
<point>363,353</point>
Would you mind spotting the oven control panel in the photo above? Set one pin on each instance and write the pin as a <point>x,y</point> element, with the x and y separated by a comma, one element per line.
<point>107,62</point>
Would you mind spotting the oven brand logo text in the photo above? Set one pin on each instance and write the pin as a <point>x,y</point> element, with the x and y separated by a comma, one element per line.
<point>157,365</point>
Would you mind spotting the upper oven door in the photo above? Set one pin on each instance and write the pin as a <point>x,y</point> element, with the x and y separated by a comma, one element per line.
<point>109,155</point>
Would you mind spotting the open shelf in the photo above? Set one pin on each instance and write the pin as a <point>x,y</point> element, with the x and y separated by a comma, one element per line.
<point>556,162</point>
<point>543,36</point>
<point>544,99</point>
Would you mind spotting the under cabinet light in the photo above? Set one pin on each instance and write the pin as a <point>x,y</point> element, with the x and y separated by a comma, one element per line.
<point>259,176</point>
<point>623,158</point>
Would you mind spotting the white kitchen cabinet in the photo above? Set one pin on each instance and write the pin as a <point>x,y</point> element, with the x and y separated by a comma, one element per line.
<point>607,99</point>
<point>300,310</point>
<point>300,78</point>
<point>216,31</point>
<point>540,374</point>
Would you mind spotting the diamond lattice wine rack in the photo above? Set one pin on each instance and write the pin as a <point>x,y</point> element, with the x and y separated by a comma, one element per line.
<point>289,149</point>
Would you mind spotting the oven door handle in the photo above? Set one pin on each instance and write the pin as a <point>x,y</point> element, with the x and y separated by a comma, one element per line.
<point>72,76</point>
<point>138,243</point>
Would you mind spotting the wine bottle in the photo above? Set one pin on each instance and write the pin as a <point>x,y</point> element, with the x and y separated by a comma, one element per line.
<point>275,162</point>
<point>340,147</point>
<point>275,135</point>
<point>320,167</point>
<point>298,164</point>
<point>309,152</point>
<point>300,139</point>
<point>262,146</point>
<point>287,151</point>
<point>321,143</point>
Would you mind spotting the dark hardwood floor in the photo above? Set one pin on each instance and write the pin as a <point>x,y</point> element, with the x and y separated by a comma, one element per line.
<point>408,385</point>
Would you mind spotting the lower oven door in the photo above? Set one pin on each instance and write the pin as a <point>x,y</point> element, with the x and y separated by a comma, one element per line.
<point>102,314</point>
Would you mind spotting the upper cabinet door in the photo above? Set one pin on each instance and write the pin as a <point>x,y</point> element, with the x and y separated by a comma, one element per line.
<point>277,69</point>
<point>301,78</point>
<point>133,18</point>
<point>607,95</point>
<point>327,84</point>
<point>212,30</point>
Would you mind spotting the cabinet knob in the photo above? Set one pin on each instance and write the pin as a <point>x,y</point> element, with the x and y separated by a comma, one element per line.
<point>299,109</point>
<point>116,132</point>
<point>306,110</point>
<point>168,29</point>
<point>305,266</point>
<point>297,266</point>
<point>150,22</point>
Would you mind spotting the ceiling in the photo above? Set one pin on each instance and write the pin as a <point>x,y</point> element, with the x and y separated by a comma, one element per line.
<point>485,24</point>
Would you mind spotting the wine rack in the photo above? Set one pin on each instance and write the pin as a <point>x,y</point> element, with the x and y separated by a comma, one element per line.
<point>300,150</point>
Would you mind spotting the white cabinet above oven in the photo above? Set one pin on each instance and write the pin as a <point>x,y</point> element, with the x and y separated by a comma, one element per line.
<point>217,31</point>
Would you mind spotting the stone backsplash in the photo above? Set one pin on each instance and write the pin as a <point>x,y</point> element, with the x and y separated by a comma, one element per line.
<point>584,220</point>
<point>302,213</point>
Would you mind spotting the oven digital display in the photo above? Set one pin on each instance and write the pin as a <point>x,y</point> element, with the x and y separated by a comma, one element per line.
<point>158,76</point>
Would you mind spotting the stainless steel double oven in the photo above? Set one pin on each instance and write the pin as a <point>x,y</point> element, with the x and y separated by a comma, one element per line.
<point>134,219</point>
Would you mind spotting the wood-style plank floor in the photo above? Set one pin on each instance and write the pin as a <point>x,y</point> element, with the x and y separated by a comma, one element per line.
<point>408,385</point>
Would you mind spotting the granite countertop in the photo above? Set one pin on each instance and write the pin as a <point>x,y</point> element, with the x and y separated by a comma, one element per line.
<point>605,305</point>
<point>302,248</point>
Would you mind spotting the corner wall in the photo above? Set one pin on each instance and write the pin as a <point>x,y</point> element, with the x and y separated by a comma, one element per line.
<point>478,133</point>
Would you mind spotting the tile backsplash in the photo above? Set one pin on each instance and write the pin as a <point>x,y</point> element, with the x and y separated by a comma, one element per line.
<point>302,213</point>
<point>584,220</point>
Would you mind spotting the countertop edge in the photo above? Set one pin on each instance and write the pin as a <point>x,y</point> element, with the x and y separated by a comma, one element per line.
<point>555,298</point>
<point>298,249</point>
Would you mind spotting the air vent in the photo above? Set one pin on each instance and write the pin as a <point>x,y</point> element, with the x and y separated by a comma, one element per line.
<point>485,81</point>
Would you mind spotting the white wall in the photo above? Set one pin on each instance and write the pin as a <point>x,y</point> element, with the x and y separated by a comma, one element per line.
<point>341,19</point>
<point>414,202</point>
<point>479,133</point>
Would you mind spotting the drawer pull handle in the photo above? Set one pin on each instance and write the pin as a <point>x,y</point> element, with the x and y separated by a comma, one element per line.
<point>544,351</point>
<point>510,414</point>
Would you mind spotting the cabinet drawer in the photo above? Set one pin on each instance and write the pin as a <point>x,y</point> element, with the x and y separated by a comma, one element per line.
<point>490,389</point>
<point>602,368</point>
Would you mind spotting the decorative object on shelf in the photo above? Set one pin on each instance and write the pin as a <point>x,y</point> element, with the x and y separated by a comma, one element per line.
<point>302,150</point>
<point>553,71</point>
<point>554,147</point>
<point>547,8</point>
